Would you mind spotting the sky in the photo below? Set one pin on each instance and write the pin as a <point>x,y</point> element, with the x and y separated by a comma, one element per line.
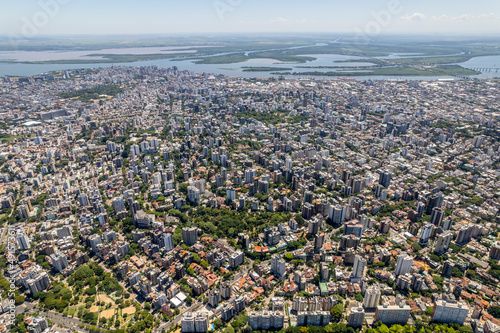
<point>370,17</point>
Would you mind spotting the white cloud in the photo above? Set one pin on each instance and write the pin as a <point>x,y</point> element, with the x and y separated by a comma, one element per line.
<point>419,17</point>
<point>463,17</point>
<point>414,17</point>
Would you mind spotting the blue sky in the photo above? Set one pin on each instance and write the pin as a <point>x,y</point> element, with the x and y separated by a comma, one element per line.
<point>210,16</point>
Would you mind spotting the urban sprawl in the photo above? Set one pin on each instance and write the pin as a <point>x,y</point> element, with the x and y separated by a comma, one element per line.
<point>144,199</point>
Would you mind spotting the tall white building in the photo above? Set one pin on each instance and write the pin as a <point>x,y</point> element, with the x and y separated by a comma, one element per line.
<point>403,265</point>
<point>231,194</point>
<point>450,312</point>
<point>443,242</point>
<point>236,259</point>
<point>266,320</point>
<point>194,323</point>
<point>358,269</point>
<point>59,261</point>
<point>118,204</point>
<point>425,234</point>
<point>372,298</point>
<point>194,195</point>
<point>278,265</point>
<point>168,242</point>
<point>393,314</point>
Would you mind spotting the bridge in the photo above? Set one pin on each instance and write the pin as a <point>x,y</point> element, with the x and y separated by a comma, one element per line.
<point>495,69</point>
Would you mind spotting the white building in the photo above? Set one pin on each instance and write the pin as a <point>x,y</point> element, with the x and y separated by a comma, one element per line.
<point>393,314</point>
<point>403,265</point>
<point>193,323</point>
<point>372,298</point>
<point>445,312</point>
<point>278,265</point>
<point>358,269</point>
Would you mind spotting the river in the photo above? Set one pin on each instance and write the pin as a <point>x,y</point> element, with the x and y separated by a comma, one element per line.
<point>488,65</point>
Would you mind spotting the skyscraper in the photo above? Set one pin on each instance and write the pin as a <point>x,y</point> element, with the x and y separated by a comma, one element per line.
<point>443,242</point>
<point>385,178</point>
<point>168,242</point>
<point>403,265</point>
<point>189,235</point>
<point>445,312</point>
<point>372,298</point>
<point>437,216</point>
<point>356,317</point>
<point>278,265</point>
<point>359,267</point>
<point>425,234</point>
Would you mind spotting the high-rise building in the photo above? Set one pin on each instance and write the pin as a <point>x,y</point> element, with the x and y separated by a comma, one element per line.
<point>393,314</point>
<point>385,178</point>
<point>59,261</point>
<point>168,242</point>
<point>278,265</point>
<point>495,251</point>
<point>23,241</point>
<point>118,204</point>
<point>445,312</point>
<point>83,199</point>
<point>194,323</point>
<point>236,259</point>
<point>353,228</point>
<point>338,215</point>
<point>437,216</point>
<point>431,203</point>
<point>190,236</point>
<point>214,298</point>
<point>324,272</point>
<point>319,240</point>
<point>307,212</point>
<point>314,318</point>
<point>194,195</point>
<point>93,241</point>
<point>38,325</point>
<point>22,210</point>
<point>266,320</point>
<point>358,269</point>
<point>372,298</point>
<point>314,226</point>
<point>477,141</point>
<point>425,234</point>
<point>356,317</point>
<point>443,242</point>
<point>447,224</point>
<point>403,265</point>
<point>226,290</point>
<point>230,194</point>
<point>464,235</point>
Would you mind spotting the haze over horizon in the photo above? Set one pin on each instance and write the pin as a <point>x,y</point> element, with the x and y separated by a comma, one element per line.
<point>50,17</point>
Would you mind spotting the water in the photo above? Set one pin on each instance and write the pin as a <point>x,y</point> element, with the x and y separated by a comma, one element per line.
<point>487,64</point>
<point>23,56</point>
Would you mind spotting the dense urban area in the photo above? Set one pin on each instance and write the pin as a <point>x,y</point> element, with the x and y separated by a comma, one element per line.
<point>144,199</point>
